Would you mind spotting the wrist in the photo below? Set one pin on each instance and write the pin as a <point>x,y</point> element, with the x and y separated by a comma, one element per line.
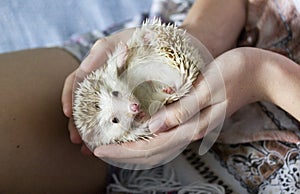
<point>242,73</point>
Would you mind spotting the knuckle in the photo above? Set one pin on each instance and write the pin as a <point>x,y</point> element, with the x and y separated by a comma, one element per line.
<point>205,96</point>
<point>206,99</point>
<point>96,55</point>
<point>180,115</point>
<point>100,43</point>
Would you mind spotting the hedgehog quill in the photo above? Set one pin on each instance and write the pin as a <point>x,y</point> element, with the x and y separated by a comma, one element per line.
<point>156,66</point>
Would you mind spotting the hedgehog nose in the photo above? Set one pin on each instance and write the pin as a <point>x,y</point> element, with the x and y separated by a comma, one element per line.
<point>135,107</point>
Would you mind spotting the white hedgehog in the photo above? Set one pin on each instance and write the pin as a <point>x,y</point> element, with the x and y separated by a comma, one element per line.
<point>156,66</point>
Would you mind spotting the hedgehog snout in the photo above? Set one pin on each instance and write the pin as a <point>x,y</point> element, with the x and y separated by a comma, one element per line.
<point>135,107</point>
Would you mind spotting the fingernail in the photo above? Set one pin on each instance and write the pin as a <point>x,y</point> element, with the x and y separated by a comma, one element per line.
<point>67,109</point>
<point>99,155</point>
<point>156,125</point>
<point>97,152</point>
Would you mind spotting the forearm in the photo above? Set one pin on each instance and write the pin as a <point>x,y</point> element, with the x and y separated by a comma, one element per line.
<point>253,74</point>
<point>283,83</point>
<point>216,23</point>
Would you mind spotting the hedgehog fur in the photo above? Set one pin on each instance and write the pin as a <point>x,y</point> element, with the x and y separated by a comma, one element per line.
<point>157,65</point>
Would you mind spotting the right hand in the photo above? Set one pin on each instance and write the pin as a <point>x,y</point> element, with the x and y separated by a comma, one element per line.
<point>232,80</point>
<point>94,60</point>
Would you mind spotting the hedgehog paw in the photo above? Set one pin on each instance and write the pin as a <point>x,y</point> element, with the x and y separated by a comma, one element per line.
<point>169,90</point>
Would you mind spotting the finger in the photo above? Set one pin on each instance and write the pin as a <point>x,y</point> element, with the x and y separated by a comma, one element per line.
<point>181,111</point>
<point>211,122</point>
<point>210,118</point>
<point>140,163</point>
<point>97,55</point>
<point>209,89</point>
<point>66,97</point>
<point>100,50</point>
<point>85,150</point>
<point>74,134</point>
<point>140,149</point>
<point>168,144</point>
<point>162,143</point>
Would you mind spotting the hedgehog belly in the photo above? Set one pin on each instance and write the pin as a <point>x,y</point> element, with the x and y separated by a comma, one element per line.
<point>158,66</point>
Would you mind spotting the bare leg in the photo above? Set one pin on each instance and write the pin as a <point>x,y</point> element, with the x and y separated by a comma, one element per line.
<point>36,153</point>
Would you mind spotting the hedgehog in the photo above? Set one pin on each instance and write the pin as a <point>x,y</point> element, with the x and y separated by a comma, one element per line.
<point>155,67</point>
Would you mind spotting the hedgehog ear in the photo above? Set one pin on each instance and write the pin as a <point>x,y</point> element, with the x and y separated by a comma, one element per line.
<point>149,36</point>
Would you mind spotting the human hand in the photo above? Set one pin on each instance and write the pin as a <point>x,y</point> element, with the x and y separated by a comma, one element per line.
<point>229,82</point>
<point>233,80</point>
<point>249,75</point>
<point>95,59</point>
<point>230,69</point>
<point>92,62</point>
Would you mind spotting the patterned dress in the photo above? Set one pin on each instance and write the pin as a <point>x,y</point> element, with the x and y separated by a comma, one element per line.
<point>270,166</point>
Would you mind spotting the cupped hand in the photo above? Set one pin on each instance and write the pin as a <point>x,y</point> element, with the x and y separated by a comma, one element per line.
<point>159,150</point>
<point>94,60</point>
<point>226,84</point>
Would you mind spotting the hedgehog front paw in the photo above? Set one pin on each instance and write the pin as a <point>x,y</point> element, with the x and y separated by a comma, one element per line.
<point>169,90</point>
<point>140,116</point>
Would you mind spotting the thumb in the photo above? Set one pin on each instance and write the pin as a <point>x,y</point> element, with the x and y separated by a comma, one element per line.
<point>66,97</point>
<point>102,48</point>
<point>209,89</point>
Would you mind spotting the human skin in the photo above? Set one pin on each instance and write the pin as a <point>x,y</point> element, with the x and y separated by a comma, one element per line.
<point>217,24</point>
<point>250,75</point>
<point>215,41</point>
<point>242,87</point>
<point>36,154</point>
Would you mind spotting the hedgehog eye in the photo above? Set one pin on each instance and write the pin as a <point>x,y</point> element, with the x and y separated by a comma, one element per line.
<point>115,120</point>
<point>96,105</point>
<point>115,93</point>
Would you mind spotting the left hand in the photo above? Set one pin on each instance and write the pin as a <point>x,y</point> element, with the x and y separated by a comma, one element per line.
<point>159,150</point>
<point>95,59</point>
